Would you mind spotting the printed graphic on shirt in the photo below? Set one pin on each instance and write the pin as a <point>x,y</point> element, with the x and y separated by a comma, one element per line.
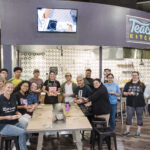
<point>52,84</point>
<point>136,89</point>
<point>80,94</point>
<point>52,89</point>
<point>23,101</point>
<point>8,109</point>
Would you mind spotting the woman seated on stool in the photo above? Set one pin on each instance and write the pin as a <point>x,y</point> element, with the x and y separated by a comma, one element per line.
<point>9,124</point>
<point>100,101</point>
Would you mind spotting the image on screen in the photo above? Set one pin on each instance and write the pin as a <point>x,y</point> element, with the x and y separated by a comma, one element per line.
<point>57,20</point>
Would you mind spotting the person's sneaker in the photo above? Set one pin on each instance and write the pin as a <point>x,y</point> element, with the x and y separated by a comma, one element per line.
<point>137,134</point>
<point>28,143</point>
<point>14,148</point>
<point>126,133</point>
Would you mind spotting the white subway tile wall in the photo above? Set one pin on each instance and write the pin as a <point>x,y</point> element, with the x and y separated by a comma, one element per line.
<point>75,61</point>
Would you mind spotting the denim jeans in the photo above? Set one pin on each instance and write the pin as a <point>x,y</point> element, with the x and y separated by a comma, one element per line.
<point>113,116</point>
<point>16,130</point>
<point>139,113</point>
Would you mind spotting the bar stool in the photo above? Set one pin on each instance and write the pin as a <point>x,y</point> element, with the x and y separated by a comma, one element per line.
<point>7,140</point>
<point>105,134</point>
<point>95,122</point>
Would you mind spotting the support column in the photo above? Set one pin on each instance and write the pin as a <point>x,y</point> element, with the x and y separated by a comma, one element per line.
<point>100,62</point>
<point>6,59</point>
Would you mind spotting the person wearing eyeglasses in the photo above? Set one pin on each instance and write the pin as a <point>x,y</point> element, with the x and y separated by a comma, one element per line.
<point>114,93</point>
<point>134,91</point>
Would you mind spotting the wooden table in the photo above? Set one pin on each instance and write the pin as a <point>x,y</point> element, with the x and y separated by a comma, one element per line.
<point>43,120</point>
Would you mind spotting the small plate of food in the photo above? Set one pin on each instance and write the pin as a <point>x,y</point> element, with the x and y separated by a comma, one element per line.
<point>30,106</point>
<point>79,101</point>
<point>16,116</point>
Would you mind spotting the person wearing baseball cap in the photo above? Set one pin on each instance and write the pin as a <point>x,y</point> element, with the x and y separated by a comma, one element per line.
<point>67,89</point>
<point>38,81</point>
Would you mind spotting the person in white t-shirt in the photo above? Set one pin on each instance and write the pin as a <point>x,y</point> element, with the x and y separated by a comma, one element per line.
<point>67,89</point>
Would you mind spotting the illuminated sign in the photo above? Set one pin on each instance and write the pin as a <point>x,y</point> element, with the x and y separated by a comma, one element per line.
<point>137,30</point>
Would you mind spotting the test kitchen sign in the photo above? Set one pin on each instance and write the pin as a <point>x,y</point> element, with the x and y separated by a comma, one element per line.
<point>137,30</point>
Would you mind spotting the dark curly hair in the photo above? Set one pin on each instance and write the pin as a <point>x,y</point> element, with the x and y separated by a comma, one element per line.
<point>19,86</point>
<point>17,68</point>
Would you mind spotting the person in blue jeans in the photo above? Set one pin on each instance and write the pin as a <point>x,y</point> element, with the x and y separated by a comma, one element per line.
<point>9,124</point>
<point>114,93</point>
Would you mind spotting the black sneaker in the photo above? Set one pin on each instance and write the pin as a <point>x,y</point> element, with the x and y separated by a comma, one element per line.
<point>126,133</point>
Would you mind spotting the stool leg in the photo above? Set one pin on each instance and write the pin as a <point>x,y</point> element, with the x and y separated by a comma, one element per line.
<point>115,142</point>
<point>91,137</point>
<point>16,144</point>
<point>7,144</point>
<point>2,143</point>
<point>91,140</point>
<point>100,143</point>
<point>94,139</point>
<point>108,141</point>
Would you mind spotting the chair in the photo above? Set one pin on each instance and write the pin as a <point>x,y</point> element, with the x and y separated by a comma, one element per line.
<point>104,134</point>
<point>7,140</point>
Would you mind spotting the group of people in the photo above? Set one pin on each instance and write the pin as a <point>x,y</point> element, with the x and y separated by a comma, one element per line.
<point>19,98</point>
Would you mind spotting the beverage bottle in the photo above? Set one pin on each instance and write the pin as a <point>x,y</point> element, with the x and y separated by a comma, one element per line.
<point>67,110</point>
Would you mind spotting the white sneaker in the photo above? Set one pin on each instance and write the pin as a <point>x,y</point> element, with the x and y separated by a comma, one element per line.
<point>28,143</point>
<point>14,147</point>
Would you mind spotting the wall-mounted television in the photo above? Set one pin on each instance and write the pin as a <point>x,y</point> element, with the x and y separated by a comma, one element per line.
<point>57,20</point>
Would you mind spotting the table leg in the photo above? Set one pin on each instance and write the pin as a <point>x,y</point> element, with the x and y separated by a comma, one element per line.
<point>121,110</point>
<point>40,141</point>
<point>77,139</point>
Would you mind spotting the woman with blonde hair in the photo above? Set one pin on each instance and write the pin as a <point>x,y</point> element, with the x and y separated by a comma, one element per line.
<point>9,115</point>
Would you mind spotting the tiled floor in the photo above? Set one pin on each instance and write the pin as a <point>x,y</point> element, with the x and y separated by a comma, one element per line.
<point>124,143</point>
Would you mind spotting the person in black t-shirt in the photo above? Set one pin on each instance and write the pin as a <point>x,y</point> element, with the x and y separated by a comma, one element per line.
<point>134,91</point>
<point>9,124</point>
<point>20,94</point>
<point>52,89</point>
<point>88,80</point>
<point>80,92</point>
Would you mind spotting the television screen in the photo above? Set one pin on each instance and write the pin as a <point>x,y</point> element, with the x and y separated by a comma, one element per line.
<point>57,20</point>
